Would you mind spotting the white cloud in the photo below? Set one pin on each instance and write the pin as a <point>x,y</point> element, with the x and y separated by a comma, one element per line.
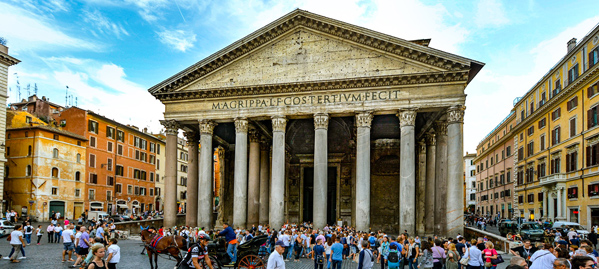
<point>104,88</point>
<point>178,39</point>
<point>149,10</point>
<point>490,13</point>
<point>25,30</point>
<point>103,24</point>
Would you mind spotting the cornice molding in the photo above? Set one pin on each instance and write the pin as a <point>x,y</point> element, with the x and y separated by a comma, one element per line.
<point>299,18</point>
<point>551,103</point>
<point>8,60</point>
<point>322,85</point>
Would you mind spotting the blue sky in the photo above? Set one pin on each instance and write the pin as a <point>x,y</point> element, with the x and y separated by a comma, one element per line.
<point>110,52</point>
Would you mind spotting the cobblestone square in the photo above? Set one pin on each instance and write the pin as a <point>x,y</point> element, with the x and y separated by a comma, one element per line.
<point>49,256</point>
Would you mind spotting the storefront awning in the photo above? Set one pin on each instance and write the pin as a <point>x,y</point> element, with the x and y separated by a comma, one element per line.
<point>136,206</point>
<point>97,207</point>
<point>122,206</point>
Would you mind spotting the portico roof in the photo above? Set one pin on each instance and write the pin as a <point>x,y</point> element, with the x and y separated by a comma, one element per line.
<point>416,51</point>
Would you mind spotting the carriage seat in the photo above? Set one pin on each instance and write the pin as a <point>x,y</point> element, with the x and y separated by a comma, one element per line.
<point>254,242</point>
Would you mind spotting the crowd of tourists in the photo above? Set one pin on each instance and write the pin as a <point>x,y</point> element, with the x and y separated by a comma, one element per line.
<point>86,246</point>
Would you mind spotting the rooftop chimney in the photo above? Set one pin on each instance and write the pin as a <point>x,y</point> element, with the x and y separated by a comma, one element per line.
<point>571,44</point>
<point>145,130</point>
<point>3,49</point>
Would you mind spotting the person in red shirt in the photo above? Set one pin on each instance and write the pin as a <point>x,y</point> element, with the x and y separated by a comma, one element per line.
<point>161,231</point>
<point>489,253</point>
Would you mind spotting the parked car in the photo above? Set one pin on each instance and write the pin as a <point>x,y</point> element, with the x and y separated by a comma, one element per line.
<point>531,230</point>
<point>564,227</point>
<point>507,226</point>
<point>120,218</point>
<point>6,228</point>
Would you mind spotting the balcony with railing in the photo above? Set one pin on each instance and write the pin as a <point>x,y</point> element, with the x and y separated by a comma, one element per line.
<point>554,178</point>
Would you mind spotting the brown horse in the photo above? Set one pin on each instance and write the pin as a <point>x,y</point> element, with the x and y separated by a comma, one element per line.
<point>170,245</point>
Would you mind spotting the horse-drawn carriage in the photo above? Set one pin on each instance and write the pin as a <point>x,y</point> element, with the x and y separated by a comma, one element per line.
<point>249,254</point>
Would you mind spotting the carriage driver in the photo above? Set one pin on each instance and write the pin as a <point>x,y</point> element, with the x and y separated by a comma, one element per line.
<point>197,252</point>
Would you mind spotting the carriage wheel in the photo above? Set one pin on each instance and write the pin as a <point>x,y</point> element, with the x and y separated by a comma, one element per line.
<point>251,262</point>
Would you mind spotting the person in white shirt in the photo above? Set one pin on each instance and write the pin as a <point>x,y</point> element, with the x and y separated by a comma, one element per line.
<point>76,243</point>
<point>67,241</point>
<point>16,241</point>
<point>275,260</point>
<point>543,258</point>
<point>57,215</point>
<point>38,232</point>
<point>571,234</point>
<point>57,233</point>
<point>28,231</point>
<point>114,253</point>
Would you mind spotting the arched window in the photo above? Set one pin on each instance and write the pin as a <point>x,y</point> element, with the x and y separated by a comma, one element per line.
<point>55,172</point>
<point>78,158</point>
<point>28,170</point>
<point>55,153</point>
<point>77,176</point>
<point>29,151</point>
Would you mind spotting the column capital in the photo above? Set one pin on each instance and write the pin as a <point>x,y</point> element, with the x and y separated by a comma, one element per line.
<point>407,117</point>
<point>455,114</point>
<point>207,126</point>
<point>264,145</point>
<point>254,134</point>
<point>241,125</point>
<point>220,150</point>
<point>431,139</point>
<point>422,145</point>
<point>321,121</point>
<point>279,123</point>
<point>191,137</point>
<point>364,119</point>
<point>171,126</point>
<point>441,127</point>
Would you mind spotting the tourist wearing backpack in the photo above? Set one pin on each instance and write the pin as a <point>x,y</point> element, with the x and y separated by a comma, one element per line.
<point>28,231</point>
<point>393,257</point>
<point>366,258</point>
<point>426,259</point>
<point>318,255</point>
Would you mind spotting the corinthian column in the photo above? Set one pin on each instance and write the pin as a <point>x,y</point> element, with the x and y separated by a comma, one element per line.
<point>240,188</point>
<point>191,216</point>
<point>441,178</point>
<point>421,188</point>
<point>407,173</point>
<point>277,187</point>
<point>363,122</point>
<point>455,171</point>
<point>321,124</point>
<point>254,179</point>
<point>429,225</point>
<point>206,166</point>
<point>264,181</point>
<point>170,177</point>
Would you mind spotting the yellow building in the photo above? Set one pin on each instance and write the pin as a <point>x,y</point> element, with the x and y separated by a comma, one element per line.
<point>45,170</point>
<point>557,140</point>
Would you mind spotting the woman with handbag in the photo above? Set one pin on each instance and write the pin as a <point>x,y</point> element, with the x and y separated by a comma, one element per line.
<point>426,258</point>
<point>489,254</point>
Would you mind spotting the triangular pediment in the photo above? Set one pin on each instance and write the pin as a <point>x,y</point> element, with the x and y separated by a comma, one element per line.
<point>305,55</point>
<point>302,46</point>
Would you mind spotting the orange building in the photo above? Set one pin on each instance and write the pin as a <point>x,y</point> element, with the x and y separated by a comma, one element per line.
<point>120,162</point>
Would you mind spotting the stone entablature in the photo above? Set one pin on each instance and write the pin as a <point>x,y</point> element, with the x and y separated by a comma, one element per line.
<point>300,19</point>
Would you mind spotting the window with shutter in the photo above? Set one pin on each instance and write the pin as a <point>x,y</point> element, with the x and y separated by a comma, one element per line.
<point>593,57</point>
<point>572,127</point>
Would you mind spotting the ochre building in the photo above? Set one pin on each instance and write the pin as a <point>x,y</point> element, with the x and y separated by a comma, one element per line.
<point>495,171</point>
<point>557,139</point>
<point>322,121</point>
<point>45,171</point>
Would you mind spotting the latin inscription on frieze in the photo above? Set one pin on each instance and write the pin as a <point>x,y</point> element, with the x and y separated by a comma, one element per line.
<point>318,99</point>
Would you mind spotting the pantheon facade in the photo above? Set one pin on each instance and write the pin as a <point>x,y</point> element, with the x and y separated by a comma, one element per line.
<point>319,120</point>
